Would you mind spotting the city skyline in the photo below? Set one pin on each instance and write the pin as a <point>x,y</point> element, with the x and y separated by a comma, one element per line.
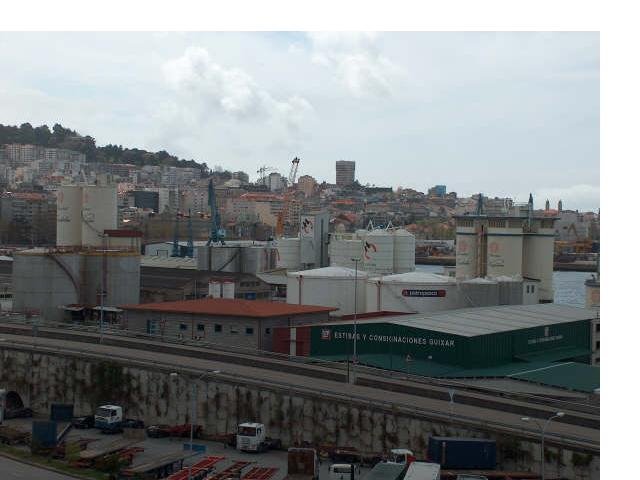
<point>500,113</point>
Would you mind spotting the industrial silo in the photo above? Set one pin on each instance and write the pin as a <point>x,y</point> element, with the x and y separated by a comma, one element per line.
<point>121,281</point>
<point>343,249</point>
<point>328,287</point>
<point>44,282</point>
<point>69,216</point>
<point>478,292</point>
<point>377,252</point>
<point>404,251</point>
<point>228,289</point>
<point>538,261</point>
<point>466,250</point>
<point>225,258</point>
<point>288,253</point>
<point>202,254</point>
<point>99,213</point>
<point>215,289</point>
<point>504,250</point>
<point>509,290</point>
<point>415,292</point>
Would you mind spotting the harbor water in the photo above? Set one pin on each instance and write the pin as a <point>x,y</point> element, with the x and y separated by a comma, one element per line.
<point>568,286</point>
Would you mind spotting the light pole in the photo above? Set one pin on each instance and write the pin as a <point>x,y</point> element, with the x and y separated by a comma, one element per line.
<point>194,393</point>
<point>355,315</point>
<point>543,429</point>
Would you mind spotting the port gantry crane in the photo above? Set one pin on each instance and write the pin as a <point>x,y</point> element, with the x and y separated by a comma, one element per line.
<point>216,233</point>
<point>291,180</point>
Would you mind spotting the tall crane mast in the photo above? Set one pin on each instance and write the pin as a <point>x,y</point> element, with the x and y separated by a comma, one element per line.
<point>262,173</point>
<point>293,173</point>
<point>216,234</point>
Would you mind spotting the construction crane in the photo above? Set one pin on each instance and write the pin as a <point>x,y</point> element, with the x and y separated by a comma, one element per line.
<point>293,173</point>
<point>216,234</point>
<point>262,173</point>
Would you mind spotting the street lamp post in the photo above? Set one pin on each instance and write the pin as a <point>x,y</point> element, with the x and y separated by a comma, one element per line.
<point>194,393</point>
<point>355,315</point>
<point>543,429</point>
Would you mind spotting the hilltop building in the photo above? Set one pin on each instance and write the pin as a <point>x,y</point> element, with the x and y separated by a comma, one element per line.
<point>345,172</point>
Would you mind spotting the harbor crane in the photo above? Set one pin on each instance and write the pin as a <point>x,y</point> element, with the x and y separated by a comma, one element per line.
<point>216,233</point>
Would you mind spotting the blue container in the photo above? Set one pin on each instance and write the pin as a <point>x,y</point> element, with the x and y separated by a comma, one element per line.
<point>463,453</point>
<point>61,412</point>
<point>44,433</point>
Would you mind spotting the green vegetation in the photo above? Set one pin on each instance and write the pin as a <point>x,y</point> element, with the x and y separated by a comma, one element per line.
<point>110,384</point>
<point>61,466</point>
<point>61,137</point>
<point>580,460</point>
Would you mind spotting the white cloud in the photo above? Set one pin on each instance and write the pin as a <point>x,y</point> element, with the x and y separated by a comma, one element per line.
<point>204,85</point>
<point>356,60</point>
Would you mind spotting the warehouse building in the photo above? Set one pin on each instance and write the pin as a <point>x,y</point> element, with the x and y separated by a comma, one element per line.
<point>244,323</point>
<point>503,341</point>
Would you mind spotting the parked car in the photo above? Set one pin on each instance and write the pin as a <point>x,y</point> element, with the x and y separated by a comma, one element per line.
<point>131,423</point>
<point>158,431</point>
<point>18,413</point>
<point>88,421</point>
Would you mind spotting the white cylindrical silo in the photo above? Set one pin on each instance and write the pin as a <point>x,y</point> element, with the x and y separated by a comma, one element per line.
<point>404,251</point>
<point>99,213</point>
<point>328,287</point>
<point>44,282</point>
<point>69,216</point>
<point>121,271</point>
<point>214,289</point>
<point>417,292</point>
<point>228,290</point>
<point>378,252</point>
<point>343,249</point>
<point>288,253</point>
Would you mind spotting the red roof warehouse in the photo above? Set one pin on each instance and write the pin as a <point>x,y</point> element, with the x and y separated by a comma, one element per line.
<point>236,322</point>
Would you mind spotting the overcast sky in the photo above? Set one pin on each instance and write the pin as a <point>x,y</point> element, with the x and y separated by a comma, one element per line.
<point>498,113</point>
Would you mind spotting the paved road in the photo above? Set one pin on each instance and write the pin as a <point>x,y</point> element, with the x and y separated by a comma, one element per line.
<point>234,373</point>
<point>12,470</point>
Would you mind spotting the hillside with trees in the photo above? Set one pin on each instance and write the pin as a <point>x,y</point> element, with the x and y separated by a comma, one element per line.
<point>61,137</point>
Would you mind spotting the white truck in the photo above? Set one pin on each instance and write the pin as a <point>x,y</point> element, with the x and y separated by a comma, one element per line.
<point>109,419</point>
<point>342,471</point>
<point>401,456</point>
<point>252,437</point>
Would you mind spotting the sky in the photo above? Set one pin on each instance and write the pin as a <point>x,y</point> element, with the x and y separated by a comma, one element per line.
<point>503,113</point>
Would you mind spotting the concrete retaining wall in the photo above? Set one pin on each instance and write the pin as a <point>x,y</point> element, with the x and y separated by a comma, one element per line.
<point>151,394</point>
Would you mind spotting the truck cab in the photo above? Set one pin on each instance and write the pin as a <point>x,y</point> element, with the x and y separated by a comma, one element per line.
<point>251,437</point>
<point>401,456</point>
<point>108,418</point>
